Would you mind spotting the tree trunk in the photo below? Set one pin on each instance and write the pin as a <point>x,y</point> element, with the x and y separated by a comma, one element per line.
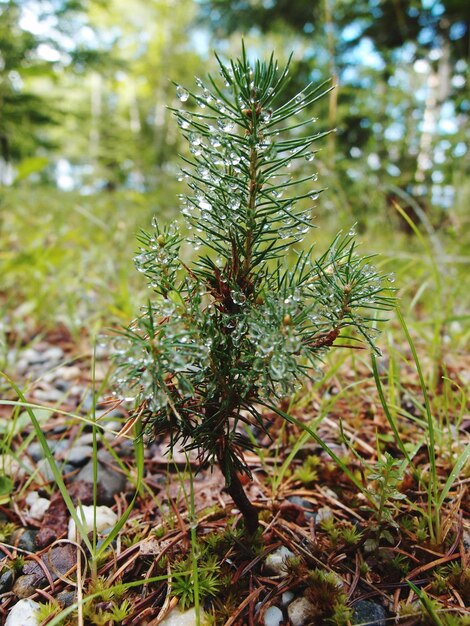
<point>249,512</point>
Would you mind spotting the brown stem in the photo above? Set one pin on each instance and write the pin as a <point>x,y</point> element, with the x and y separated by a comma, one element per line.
<point>252,191</point>
<point>249,512</point>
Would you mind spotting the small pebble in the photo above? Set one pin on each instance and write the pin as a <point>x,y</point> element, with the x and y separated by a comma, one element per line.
<point>300,612</point>
<point>102,352</point>
<point>85,439</point>
<point>66,598</point>
<point>77,455</point>
<point>48,395</point>
<point>37,505</point>
<point>110,480</point>
<point>44,468</point>
<point>287,597</point>
<point>54,353</point>
<point>26,540</point>
<point>23,613</point>
<point>329,492</point>
<point>68,372</point>
<point>370,613</point>
<point>61,385</point>
<point>276,561</point>
<point>273,616</point>
<point>33,357</point>
<point>183,618</point>
<point>36,452</point>
<point>305,504</point>
<point>24,587</point>
<point>13,468</point>
<point>105,517</point>
<point>6,581</point>
<point>22,366</point>
<point>76,390</point>
<point>87,402</point>
<point>323,514</point>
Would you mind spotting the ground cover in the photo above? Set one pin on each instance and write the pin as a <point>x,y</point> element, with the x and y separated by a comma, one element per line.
<point>379,532</point>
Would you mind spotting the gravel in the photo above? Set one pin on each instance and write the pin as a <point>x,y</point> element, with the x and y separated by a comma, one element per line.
<point>273,616</point>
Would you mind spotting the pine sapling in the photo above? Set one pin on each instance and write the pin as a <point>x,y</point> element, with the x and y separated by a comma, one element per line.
<point>240,327</point>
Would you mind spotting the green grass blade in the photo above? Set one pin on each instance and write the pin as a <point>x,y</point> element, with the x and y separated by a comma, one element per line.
<point>459,464</point>
<point>433,510</point>
<point>50,459</point>
<point>388,415</point>
<point>139,463</point>
<point>326,448</point>
<point>427,604</point>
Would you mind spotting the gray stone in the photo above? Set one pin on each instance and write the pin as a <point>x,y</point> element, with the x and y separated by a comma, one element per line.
<point>61,385</point>
<point>66,598</point>
<point>87,402</point>
<point>100,518</point>
<point>59,429</point>
<point>51,394</point>
<point>59,561</point>
<point>305,504</point>
<point>76,390</point>
<point>323,514</point>
<point>287,597</point>
<point>102,352</point>
<point>37,505</point>
<point>54,353</point>
<point>33,357</point>
<point>68,372</point>
<point>77,455</point>
<point>45,470</point>
<point>25,586</point>
<point>110,481</point>
<point>370,613</point>
<point>35,450</point>
<point>86,439</point>
<point>6,581</point>
<point>26,541</point>
<point>23,613</point>
<point>105,457</point>
<point>22,366</point>
<point>300,612</point>
<point>276,561</point>
<point>273,616</point>
<point>176,617</point>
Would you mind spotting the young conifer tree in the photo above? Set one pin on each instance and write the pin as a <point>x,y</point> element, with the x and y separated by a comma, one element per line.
<point>241,327</point>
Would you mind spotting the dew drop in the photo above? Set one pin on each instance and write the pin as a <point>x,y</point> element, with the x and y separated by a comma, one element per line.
<point>195,139</point>
<point>266,116</point>
<point>181,93</point>
<point>225,125</point>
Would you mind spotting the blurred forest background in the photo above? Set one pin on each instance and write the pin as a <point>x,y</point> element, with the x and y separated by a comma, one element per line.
<point>89,150</point>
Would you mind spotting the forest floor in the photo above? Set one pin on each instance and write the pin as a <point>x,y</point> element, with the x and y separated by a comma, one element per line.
<point>363,498</point>
<point>396,549</point>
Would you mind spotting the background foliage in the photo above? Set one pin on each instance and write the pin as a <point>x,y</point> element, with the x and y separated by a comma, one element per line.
<point>84,91</point>
<point>85,85</point>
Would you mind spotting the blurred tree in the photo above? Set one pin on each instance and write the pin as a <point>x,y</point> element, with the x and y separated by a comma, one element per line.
<point>38,42</point>
<point>118,117</point>
<point>401,111</point>
<point>22,113</point>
